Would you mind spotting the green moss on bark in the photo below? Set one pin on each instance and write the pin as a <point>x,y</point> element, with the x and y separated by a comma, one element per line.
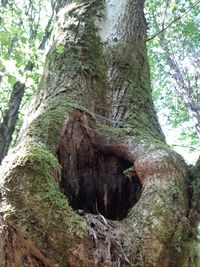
<point>130,63</point>
<point>82,60</point>
<point>38,206</point>
<point>46,127</point>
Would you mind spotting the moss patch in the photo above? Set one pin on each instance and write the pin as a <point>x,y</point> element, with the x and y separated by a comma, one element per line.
<point>38,205</point>
<point>46,127</point>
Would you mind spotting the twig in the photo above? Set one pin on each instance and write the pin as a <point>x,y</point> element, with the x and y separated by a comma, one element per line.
<point>193,148</point>
<point>125,258</point>
<point>165,13</point>
<point>2,113</point>
<point>173,21</point>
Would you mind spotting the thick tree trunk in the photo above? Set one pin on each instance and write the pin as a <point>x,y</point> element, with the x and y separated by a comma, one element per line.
<point>91,179</point>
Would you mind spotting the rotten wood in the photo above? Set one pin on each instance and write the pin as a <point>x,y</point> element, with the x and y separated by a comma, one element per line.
<point>17,250</point>
<point>94,170</point>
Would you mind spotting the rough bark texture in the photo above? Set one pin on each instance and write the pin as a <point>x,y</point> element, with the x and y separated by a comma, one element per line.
<point>16,250</point>
<point>92,141</point>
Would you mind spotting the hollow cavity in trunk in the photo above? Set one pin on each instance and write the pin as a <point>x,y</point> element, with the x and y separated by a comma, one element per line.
<point>93,177</point>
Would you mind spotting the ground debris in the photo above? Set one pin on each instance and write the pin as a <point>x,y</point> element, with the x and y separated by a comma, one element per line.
<point>112,245</point>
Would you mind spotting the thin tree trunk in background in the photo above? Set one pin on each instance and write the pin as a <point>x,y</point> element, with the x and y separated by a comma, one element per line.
<point>8,124</point>
<point>9,121</point>
<point>183,90</point>
<point>91,180</point>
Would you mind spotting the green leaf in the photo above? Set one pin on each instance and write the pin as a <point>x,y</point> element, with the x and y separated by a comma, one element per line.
<point>60,49</point>
<point>23,40</point>
<point>4,38</point>
<point>11,80</point>
<point>19,59</point>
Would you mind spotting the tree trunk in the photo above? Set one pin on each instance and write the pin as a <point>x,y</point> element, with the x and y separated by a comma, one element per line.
<point>91,180</point>
<point>10,117</point>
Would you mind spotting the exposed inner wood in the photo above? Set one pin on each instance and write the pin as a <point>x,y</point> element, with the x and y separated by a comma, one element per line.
<point>94,176</point>
<point>16,250</point>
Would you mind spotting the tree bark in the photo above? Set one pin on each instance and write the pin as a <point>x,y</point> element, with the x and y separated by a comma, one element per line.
<point>91,179</point>
<point>10,117</point>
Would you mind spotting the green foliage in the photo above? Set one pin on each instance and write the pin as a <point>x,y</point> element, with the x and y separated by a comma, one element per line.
<point>22,27</point>
<point>182,38</point>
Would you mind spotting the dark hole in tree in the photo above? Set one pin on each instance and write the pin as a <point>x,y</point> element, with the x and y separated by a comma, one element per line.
<point>94,181</point>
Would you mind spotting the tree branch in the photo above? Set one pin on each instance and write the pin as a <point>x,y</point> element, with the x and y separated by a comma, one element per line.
<point>173,21</point>
<point>190,147</point>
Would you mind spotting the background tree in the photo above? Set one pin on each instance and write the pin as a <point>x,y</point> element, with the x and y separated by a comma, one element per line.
<point>173,49</point>
<point>92,141</point>
<point>23,40</point>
